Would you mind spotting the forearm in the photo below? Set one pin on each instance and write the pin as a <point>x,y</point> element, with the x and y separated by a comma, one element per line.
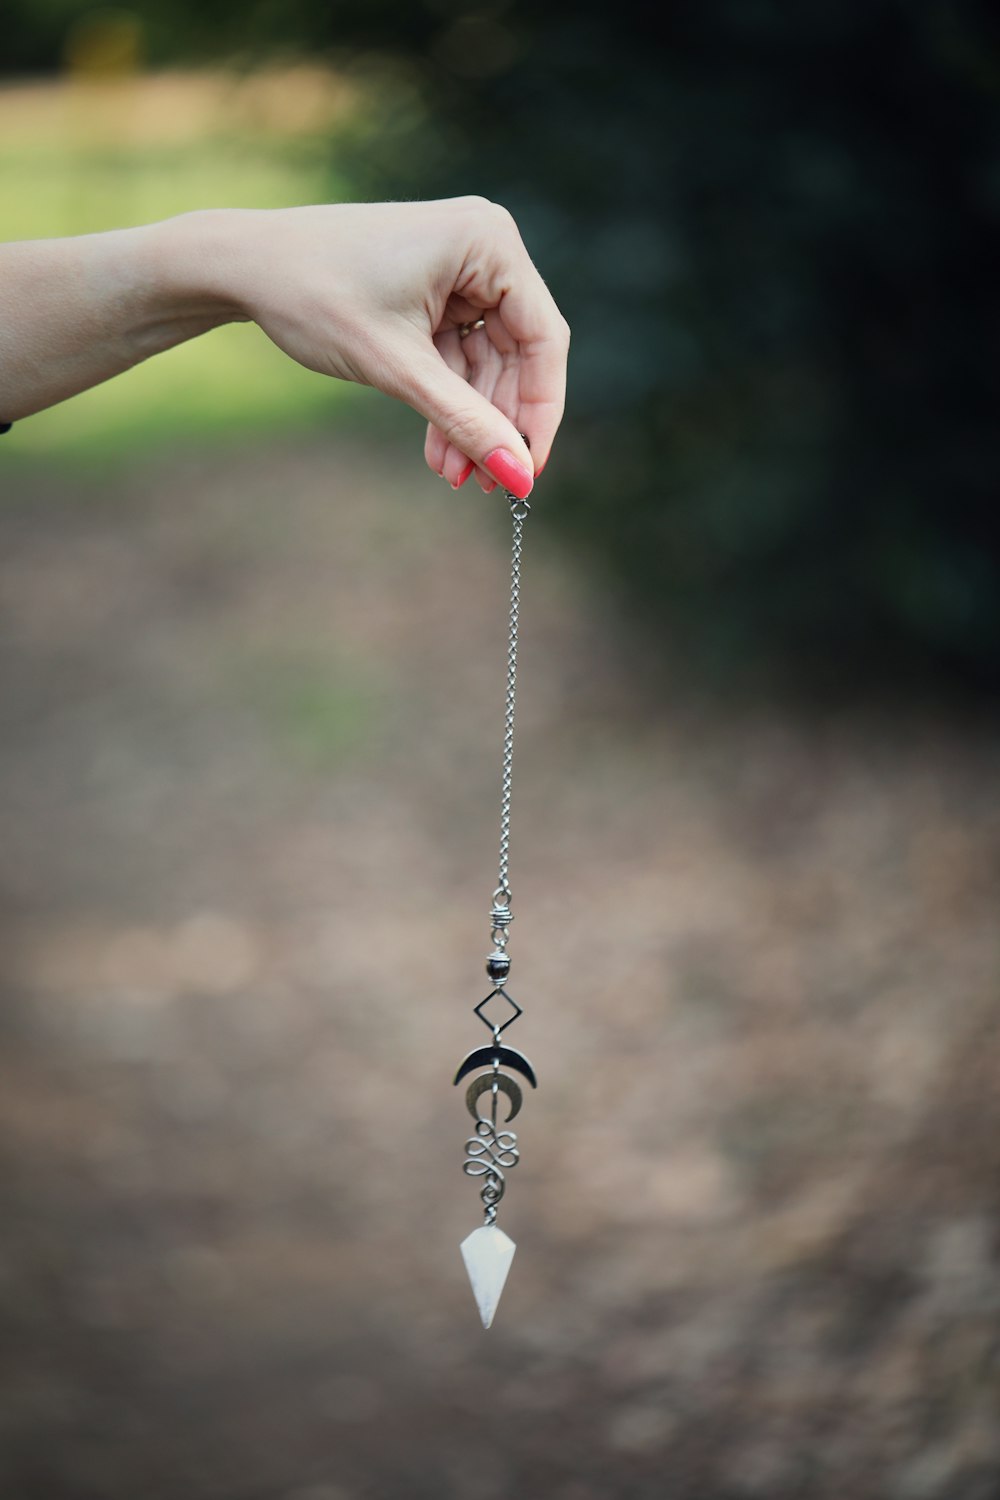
<point>74,312</point>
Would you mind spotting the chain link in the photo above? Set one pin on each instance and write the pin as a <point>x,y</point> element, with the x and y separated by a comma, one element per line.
<point>519,510</point>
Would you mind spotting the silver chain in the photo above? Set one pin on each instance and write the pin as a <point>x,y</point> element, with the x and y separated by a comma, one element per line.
<point>519,510</point>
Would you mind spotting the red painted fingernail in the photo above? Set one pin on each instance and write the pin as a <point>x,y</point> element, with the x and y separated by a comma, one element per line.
<point>507,471</point>
<point>463,476</point>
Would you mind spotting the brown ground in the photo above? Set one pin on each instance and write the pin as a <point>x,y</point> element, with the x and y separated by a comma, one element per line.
<point>249,799</point>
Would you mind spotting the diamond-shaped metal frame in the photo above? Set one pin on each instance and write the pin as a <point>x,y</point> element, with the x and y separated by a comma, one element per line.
<point>496,1030</point>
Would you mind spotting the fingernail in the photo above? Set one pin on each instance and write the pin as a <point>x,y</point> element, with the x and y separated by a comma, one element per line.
<point>507,471</point>
<point>463,476</point>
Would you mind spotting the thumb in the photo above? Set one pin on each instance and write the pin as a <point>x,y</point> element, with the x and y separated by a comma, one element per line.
<point>474,425</point>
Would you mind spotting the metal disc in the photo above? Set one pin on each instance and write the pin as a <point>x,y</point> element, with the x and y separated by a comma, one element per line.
<point>483,1085</point>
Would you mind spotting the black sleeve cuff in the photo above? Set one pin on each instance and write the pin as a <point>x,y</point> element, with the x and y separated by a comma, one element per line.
<point>5,427</point>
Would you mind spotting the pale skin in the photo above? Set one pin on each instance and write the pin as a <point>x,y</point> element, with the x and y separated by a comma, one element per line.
<point>374,293</point>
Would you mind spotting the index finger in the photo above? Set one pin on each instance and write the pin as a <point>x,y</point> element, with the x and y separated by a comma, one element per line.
<point>531,317</point>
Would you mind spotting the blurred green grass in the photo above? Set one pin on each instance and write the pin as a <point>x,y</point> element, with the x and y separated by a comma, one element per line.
<point>76,159</point>
<point>322,710</point>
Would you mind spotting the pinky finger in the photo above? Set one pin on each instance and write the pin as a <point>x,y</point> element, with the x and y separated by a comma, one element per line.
<point>435,450</point>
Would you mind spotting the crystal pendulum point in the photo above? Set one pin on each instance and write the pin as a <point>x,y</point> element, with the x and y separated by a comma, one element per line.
<point>487,1253</point>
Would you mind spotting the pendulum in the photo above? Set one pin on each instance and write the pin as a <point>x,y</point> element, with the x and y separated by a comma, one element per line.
<point>491,1152</point>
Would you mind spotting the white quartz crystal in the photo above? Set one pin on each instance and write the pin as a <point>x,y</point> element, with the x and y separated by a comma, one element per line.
<point>487,1253</point>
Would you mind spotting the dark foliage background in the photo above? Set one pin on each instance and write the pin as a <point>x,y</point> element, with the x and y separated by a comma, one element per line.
<point>774,231</point>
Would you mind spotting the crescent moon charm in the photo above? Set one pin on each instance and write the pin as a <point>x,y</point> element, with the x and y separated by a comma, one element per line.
<point>484,1083</point>
<point>488,1057</point>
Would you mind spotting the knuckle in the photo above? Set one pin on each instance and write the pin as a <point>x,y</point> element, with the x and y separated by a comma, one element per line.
<point>463,430</point>
<point>502,217</point>
<point>474,203</point>
<point>499,219</point>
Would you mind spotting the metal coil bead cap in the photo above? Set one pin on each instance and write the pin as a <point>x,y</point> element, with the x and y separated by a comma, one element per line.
<point>500,920</point>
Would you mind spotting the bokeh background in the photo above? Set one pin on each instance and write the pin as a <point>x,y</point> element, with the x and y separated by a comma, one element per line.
<point>252,674</point>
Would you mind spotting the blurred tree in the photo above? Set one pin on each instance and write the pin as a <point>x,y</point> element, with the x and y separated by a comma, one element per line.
<point>104,44</point>
<point>774,230</point>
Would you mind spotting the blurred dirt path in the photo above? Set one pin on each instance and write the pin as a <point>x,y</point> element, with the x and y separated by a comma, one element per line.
<point>252,709</point>
<point>92,108</point>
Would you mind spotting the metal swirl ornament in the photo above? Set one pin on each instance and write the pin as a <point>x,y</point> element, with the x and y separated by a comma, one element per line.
<point>489,1153</point>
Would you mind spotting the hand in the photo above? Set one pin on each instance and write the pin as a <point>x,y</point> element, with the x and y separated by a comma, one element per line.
<point>377,293</point>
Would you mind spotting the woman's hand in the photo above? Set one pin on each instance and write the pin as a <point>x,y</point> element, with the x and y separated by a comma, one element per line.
<point>375,293</point>
<point>379,293</point>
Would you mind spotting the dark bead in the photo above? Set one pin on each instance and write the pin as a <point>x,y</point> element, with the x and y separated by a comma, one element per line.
<point>498,967</point>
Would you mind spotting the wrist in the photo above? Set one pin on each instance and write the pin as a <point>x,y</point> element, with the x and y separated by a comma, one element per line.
<point>188,268</point>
